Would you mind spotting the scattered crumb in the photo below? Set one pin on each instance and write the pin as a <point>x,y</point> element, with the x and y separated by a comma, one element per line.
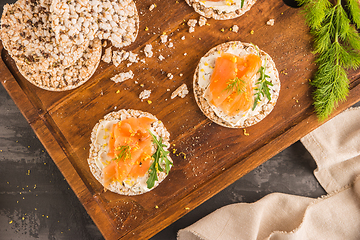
<point>183,38</point>
<point>121,77</point>
<point>252,32</point>
<point>164,38</point>
<point>202,21</point>
<point>181,91</point>
<point>235,28</point>
<point>107,56</point>
<point>133,57</point>
<point>170,44</point>
<point>271,22</point>
<point>119,56</point>
<point>192,22</point>
<point>170,76</point>
<point>143,60</point>
<point>145,94</point>
<point>181,74</point>
<point>222,30</point>
<point>185,54</point>
<point>161,57</point>
<point>148,50</point>
<point>152,6</point>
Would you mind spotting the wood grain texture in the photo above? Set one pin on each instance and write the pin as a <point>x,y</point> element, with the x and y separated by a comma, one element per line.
<point>215,156</point>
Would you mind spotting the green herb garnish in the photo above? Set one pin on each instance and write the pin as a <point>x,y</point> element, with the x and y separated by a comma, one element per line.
<point>124,153</point>
<point>160,156</point>
<point>235,85</point>
<point>242,3</point>
<point>262,88</point>
<point>337,45</point>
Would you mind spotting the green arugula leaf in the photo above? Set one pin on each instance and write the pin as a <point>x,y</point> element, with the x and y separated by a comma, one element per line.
<point>262,88</point>
<point>159,157</point>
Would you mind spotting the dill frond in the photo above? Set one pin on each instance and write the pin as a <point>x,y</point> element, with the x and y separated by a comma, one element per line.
<point>337,46</point>
<point>354,11</point>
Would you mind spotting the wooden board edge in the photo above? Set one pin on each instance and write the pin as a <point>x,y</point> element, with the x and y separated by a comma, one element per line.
<point>21,100</point>
<point>230,175</point>
<point>90,202</point>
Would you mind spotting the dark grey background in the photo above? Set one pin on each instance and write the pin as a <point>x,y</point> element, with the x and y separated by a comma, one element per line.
<point>37,203</point>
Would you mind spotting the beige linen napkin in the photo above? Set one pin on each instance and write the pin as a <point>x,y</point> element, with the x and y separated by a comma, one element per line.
<point>335,147</point>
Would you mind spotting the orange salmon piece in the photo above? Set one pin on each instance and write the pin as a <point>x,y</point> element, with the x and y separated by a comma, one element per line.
<point>232,102</point>
<point>246,71</point>
<point>132,132</point>
<point>224,70</point>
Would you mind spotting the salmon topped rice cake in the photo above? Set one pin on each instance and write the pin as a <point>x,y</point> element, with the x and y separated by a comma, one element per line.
<point>236,84</point>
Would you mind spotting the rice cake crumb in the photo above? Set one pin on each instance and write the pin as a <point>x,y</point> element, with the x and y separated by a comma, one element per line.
<point>148,50</point>
<point>192,22</point>
<point>235,28</point>
<point>121,77</point>
<point>145,94</point>
<point>152,6</point>
<point>181,91</point>
<point>271,22</point>
<point>183,38</point>
<point>164,38</point>
<point>161,57</point>
<point>119,56</point>
<point>107,56</point>
<point>133,57</point>
<point>191,29</point>
<point>170,76</point>
<point>202,21</point>
<point>170,45</point>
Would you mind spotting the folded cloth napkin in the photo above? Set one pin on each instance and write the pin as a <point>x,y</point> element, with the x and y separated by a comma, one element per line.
<point>335,146</point>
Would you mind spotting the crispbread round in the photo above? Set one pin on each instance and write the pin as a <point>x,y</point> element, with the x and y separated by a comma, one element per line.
<point>228,10</point>
<point>157,128</point>
<point>117,21</point>
<point>263,108</point>
<point>60,79</point>
<point>26,34</point>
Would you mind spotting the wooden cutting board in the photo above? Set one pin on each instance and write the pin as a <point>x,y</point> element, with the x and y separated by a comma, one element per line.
<point>215,156</point>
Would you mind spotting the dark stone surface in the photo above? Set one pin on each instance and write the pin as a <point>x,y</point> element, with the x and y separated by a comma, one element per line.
<point>37,203</point>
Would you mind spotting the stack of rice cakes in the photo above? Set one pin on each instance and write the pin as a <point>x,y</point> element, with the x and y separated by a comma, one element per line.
<point>56,44</point>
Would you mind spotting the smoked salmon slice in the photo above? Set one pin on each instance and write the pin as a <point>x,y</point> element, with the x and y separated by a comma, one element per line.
<point>130,149</point>
<point>228,69</point>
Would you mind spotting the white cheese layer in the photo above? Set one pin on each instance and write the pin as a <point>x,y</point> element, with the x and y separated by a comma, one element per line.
<point>225,5</point>
<point>206,68</point>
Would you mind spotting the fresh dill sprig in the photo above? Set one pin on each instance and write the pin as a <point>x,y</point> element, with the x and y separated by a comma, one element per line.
<point>124,153</point>
<point>160,156</point>
<point>262,88</point>
<point>337,45</point>
<point>235,85</point>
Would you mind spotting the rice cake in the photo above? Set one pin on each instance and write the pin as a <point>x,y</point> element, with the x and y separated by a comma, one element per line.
<point>221,10</point>
<point>202,80</point>
<point>99,146</point>
<point>26,34</point>
<point>60,79</point>
<point>117,21</point>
